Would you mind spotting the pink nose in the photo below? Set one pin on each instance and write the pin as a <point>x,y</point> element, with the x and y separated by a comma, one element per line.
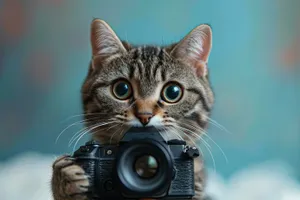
<point>144,118</point>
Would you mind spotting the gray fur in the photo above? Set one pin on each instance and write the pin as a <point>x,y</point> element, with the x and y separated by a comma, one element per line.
<point>148,69</point>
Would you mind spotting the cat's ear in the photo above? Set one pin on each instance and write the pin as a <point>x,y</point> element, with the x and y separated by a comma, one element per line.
<point>195,49</point>
<point>104,41</point>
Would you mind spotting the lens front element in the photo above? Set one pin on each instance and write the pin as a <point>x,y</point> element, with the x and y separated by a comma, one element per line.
<point>141,174</point>
<point>146,166</point>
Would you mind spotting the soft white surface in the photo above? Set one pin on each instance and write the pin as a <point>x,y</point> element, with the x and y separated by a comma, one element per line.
<point>27,177</point>
<point>267,181</point>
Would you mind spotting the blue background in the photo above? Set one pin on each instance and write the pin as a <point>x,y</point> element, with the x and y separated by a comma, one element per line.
<point>254,69</point>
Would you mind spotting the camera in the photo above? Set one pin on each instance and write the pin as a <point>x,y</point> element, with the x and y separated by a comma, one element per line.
<point>142,165</point>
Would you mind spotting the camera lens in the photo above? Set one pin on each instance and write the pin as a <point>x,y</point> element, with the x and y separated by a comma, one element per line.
<point>146,166</point>
<point>142,173</point>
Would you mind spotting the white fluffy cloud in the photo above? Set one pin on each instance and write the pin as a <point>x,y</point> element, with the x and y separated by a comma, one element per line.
<point>27,177</point>
<point>267,181</point>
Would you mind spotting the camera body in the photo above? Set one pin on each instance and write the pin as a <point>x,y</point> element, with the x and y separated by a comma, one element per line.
<point>142,165</point>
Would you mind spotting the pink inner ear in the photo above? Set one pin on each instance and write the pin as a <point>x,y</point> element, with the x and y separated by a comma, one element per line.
<point>195,49</point>
<point>201,68</point>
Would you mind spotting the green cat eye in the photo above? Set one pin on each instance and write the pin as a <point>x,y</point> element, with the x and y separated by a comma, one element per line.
<point>122,90</point>
<point>172,92</point>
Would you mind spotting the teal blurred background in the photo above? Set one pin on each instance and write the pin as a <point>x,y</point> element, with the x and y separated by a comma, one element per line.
<point>254,69</point>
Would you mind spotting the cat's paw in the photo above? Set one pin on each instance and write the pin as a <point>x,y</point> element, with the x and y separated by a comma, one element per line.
<point>69,181</point>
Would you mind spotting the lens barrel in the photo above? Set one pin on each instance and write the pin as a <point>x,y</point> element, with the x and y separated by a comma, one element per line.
<point>143,167</point>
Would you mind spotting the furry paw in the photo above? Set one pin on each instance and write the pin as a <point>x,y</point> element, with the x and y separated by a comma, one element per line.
<point>69,181</point>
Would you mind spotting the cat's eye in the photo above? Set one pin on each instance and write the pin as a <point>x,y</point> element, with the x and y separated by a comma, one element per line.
<point>172,92</point>
<point>122,90</point>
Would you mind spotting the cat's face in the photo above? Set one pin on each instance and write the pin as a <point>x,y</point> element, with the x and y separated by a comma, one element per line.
<point>165,87</point>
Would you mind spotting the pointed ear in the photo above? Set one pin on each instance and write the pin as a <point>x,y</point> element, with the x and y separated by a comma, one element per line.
<point>104,41</point>
<point>195,49</point>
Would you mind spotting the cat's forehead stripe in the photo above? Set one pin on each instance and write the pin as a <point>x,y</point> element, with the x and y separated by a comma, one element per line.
<point>149,60</point>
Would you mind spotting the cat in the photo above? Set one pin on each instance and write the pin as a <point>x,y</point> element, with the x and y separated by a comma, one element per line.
<point>163,86</point>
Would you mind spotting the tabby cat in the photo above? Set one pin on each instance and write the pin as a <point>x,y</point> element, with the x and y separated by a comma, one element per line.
<point>166,87</point>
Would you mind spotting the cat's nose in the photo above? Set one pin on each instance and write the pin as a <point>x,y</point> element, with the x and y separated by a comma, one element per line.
<point>144,118</point>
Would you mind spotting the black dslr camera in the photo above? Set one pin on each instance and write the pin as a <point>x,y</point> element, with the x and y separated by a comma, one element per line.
<point>142,165</point>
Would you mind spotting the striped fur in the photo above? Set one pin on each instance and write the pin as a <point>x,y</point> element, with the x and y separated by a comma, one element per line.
<point>148,69</point>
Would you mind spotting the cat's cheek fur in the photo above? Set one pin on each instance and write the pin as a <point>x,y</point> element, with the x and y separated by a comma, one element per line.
<point>156,121</point>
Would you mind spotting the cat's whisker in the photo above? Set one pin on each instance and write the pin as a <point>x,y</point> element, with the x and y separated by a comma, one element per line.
<point>201,152</point>
<point>76,134</point>
<point>209,151</point>
<point>206,134</point>
<point>86,132</point>
<point>121,118</point>
<point>218,125</point>
<point>191,139</point>
<point>120,134</point>
<point>195,134</point>
<point>112,126</point>
<point>169,119</point>
<point>69,126</point>
<point>111,138</point>
<point>212,157</point>
<point>79,140</point>
<point>90,129</point>
<point>226,159</point>
<point>166,131</point>
<point>83,115</point>
<point>195,130</point>
<point>127,108</point>
<point>191,123</point>
<point>160,131</point>
<point>176,132</point>
<point>130,106</point>
<point>205,144</point>
<point>123,129</point>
